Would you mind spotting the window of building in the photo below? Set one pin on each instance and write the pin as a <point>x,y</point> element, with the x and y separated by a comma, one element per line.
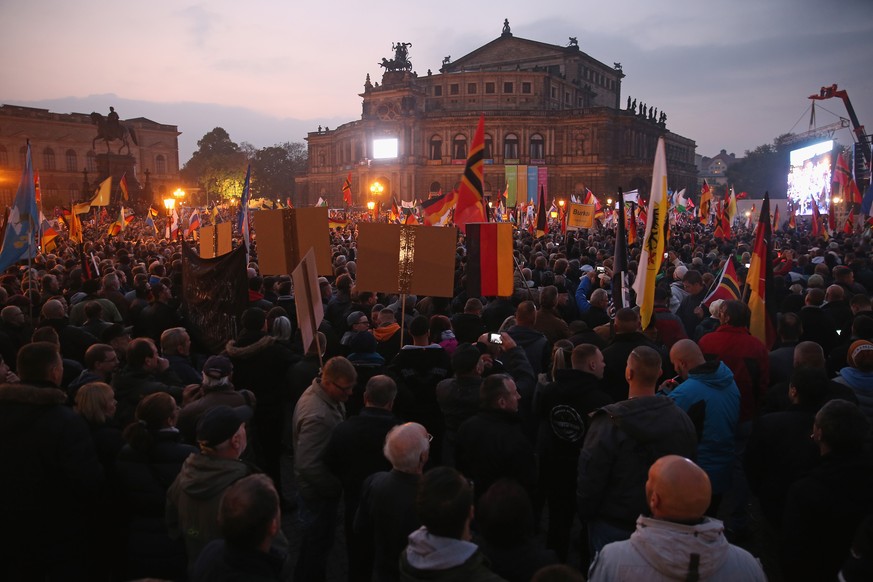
<point>471,88</point>
<point>454,89</point>
<point>489,88</point>
<point>510,146</point>
<point>160,164</point>
<point>488,149</point>
<point>4,156</point>
<point>459,147</point>
<point>526,88</point>
<point>48,159</point>
<point>91,162</point>
<point>438,91</point>
<point>73,192</point>
<point>536,147</point>
<point>436,148</point>
<point>554,93</point>
<point>72,161</point>
<point>507,87</point>
<point>567,97</point>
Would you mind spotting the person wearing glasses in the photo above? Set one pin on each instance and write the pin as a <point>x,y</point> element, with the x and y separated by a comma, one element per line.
<point>320,409</point>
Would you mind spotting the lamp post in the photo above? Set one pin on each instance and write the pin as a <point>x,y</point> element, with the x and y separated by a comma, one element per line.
<point>169,204</point>
<point>370,206</point>
<point>376,189</point>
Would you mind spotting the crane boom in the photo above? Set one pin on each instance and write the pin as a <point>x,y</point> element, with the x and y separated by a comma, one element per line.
<point>860,132</point>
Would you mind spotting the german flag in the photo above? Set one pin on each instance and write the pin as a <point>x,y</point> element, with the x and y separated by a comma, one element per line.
<point>816,220</point>
<point>489,259</point>
<point>470,205</point>
<point>792,218</point>
<point>632,225</point>
<point>849,227</point>
<point>125,194</point>
<point>542,228</point>
<point>435,211</point>
<point>759,279</point>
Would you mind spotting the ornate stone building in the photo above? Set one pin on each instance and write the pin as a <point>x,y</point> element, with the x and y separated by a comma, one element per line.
<point>554,118</point>
<point>68,166</point>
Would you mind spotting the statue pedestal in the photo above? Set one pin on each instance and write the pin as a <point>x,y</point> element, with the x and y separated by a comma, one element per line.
<point>116,166</point>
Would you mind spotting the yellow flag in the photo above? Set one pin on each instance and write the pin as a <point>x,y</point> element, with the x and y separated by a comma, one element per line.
<point>83,208</point>
<point>101,197</point>
<point>655,239</point>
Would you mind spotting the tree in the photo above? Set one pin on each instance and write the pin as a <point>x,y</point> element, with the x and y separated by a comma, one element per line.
<point>218,166</point>
<point>764,169</point>
<point>274,169</point>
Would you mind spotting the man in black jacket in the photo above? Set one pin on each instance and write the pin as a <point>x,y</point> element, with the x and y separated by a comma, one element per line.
<point>563,409</point>
<point>623,441</point>
<point>491,445</point>
<point>53,476</point>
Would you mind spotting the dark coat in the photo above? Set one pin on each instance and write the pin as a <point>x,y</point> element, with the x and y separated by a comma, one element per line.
<point>490,446</point>
<point>468,327</point>
<point>132,385</point>
<point>386,514</point>
<point>154,320</point>
<point>219,562</point>
<point>53,478</point>
<point>822,513</point>
<point>144,477</point>
<point>75,341</point>
<point>616,354</point>
<point>779,452</point>
<point>536,347</point>
<point>819,327</point>
<point>624,440</point>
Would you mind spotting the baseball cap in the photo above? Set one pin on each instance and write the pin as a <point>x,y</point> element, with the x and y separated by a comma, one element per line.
<point>218,424</point>
<point>218,367</point>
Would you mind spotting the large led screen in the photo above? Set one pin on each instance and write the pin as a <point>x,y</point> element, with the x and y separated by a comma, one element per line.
<point>385,149</point>
<point>809,177</point>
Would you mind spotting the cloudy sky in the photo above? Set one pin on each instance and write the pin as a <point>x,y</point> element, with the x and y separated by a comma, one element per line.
<point>729,75</point>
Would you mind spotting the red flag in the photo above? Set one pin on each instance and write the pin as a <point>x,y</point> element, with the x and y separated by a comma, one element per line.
<point>843,183</point>
<point>726,286</point>
<point>832,216</point>
<point>816,220</point>
<point>632,225</point>
<point>849,227</point>
<point>792,219</point>
<point>347,191</point>
<point>470,203</point>
<point>742,195</point>
<point>36,189</point>
<point>489,259</point>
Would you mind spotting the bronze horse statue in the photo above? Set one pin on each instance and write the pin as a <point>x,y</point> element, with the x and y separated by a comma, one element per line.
<point>108,132</point>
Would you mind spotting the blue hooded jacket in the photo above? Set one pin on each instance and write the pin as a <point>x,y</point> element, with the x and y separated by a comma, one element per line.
<point>712,385</point>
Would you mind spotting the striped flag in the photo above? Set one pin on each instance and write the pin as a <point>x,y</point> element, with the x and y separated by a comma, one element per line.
<point>470,202</point>
<point>489,259</point>
<point>776,226</point>
<point>347,190</point>
<point>654,240</point>
<point>125,194</point>
<point>705,203</point>
<point>620,288</point>
<point>759,278</point>
<point>726,286</point>
<point>435,211</point>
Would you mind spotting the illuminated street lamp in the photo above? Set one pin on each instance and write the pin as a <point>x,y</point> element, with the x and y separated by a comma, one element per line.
<point>376,189</point>
<point>561,203</point>
<point>837,199</point>
<point>609,202</point>
<point>169,204</point>
<point>553,214</point>
<point>370,206</point>
<point>179,194</point>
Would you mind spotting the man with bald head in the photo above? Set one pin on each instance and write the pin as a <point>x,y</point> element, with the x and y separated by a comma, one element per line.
<point>678,542</point>
<point>807,356</point>
<point>75,341</point>
<point>837,306</point>
<point>711,398</point>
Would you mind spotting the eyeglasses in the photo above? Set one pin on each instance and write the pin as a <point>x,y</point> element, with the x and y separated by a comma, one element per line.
<point>347,388</point>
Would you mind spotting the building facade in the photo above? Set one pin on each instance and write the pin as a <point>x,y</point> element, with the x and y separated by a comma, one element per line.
<point>69,163</point>
<point>554,118</point>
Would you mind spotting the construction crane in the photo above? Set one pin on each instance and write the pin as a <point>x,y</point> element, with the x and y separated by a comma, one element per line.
<point>860,132</point>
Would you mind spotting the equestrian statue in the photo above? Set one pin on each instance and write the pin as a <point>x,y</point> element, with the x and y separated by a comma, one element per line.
<point>109,129</point>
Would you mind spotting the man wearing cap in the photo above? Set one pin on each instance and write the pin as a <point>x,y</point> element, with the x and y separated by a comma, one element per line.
<point>193,498</point>
<point>357,322</point>
<point>215,389</point>
<point>586,286</point>
<point>677,288</point>
<point>858,375</point>
<point>319,410</point>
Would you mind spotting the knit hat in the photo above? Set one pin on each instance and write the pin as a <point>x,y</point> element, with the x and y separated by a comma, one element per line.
<point>860,355</point>
<point>679,272</point>
<point>218,424</point>
<point>353,317</point>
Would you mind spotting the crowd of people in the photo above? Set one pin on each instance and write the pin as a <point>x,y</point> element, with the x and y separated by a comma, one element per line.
<point>544,435</point>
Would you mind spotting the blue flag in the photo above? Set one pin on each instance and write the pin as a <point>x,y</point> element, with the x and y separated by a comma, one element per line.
<point>19,241</point>
<point>867,201</point>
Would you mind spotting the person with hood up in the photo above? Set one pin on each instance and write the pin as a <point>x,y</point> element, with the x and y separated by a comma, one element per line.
<point>711,398</point>
<point>441,548</point>
<point>858,375</point>
<point>678,542</point>
<point>193,498</point>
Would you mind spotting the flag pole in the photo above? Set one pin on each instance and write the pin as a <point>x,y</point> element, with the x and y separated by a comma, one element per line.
<point>402,316</point>
<point>521,274</point>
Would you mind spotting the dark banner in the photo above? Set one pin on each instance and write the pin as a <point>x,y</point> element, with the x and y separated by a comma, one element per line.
<point>215,295</point>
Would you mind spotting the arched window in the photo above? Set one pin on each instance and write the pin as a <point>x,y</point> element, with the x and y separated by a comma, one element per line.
<point>4,156</point>
<point>536,147</point>
<point>91,162</point>
<point>48,159</point>
<point>436,148</point>
<point>160,164</point>
<point>459,147</point>
<point>72,161</point>
<point>510,146</point>
<point>488,154</point>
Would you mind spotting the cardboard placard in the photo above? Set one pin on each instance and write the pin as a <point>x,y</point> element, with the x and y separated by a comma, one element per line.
<point>395,258</point>
<point>307,298</point>
<point>285,236</point>
<point>580,215</point>
<point>214,244</point>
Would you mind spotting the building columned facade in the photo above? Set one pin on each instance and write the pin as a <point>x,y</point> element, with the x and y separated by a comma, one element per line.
<point>69,168</point>
<point>554,118</point>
